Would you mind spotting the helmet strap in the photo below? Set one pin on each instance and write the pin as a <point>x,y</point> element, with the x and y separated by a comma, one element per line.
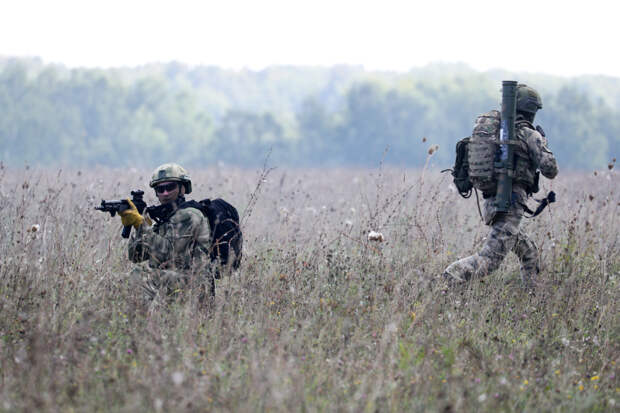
<point>528,116</point>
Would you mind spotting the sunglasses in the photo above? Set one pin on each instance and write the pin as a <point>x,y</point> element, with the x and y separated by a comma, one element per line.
<point>171,186</point>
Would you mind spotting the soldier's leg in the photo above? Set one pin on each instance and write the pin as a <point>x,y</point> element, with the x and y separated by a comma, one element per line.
<point>501,239</point>
<point>527,251</point>
<point>173,282</point>
<point>145,280</point>
<point>465,268</point>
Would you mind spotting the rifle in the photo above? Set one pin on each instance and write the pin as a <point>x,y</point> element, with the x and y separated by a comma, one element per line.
<point>121,205</point>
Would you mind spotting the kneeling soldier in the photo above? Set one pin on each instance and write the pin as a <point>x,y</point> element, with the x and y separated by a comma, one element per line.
<point>177,246</point>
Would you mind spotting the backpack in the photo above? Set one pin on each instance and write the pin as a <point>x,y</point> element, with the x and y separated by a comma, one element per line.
<point>482,150</point>
<point>225,231</point>
<point>460,171</point>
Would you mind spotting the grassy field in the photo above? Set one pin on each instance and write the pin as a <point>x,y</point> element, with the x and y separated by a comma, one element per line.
<point>318,318</point>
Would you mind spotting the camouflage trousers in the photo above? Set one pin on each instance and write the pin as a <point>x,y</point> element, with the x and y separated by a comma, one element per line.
<point>151,281</point>
<point>505,236</point>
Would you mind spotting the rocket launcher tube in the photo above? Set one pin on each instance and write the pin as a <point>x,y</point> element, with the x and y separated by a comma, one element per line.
<point>505,157</point>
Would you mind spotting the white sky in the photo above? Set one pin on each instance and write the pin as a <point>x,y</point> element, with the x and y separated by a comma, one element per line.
<point>557,37</point>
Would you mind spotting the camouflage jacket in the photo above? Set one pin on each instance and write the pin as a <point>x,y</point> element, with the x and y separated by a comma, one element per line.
<point>180,243</point>
<point>540,158</point>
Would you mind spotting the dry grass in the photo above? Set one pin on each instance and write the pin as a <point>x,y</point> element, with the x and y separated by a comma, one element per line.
<point>318,318</point>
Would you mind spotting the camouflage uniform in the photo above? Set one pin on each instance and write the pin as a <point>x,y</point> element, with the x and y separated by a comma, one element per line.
<point>177,251</point>
<point>505,234</point>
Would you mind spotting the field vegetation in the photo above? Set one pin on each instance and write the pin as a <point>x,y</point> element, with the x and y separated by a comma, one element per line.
<point>318,318</point>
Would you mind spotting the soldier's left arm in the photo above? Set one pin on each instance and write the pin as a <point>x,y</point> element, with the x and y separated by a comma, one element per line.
<point>543,158</point>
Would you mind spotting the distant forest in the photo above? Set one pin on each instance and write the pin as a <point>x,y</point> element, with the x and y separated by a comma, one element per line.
<point>304,116</point>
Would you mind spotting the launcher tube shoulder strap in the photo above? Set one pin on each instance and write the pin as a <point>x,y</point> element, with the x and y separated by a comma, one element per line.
<point>549,199</point>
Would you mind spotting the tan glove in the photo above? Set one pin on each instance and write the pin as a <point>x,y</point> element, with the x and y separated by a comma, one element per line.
<point>131,216</point>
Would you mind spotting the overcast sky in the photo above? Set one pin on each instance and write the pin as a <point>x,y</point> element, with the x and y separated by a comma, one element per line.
<point>535,36</point>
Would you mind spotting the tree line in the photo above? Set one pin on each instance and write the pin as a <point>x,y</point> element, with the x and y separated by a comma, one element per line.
<point>303,116</point>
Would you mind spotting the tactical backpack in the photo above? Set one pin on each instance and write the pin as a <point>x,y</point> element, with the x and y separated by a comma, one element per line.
<point>482,150</point>
<point>225,230</point>
<point>460,170</point>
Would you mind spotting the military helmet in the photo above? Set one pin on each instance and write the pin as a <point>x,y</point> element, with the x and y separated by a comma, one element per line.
<point>528,99</point>
<point>171,172</point>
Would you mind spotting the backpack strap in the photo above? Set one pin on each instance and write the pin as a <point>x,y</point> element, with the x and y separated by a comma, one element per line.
<point>192,204</point>
<point>162,213</point>
<point>478,205</point>
<point>527,123</point>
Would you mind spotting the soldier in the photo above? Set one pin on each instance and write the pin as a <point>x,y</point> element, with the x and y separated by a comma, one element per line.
<point>531,156</point>
<point>177,246</point>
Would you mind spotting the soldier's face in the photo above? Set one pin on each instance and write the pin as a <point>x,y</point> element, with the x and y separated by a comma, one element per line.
<point>168,191</point>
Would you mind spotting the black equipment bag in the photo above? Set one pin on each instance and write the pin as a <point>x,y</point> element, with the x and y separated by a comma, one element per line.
<point>225,230</point>
<point>460,171</point>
